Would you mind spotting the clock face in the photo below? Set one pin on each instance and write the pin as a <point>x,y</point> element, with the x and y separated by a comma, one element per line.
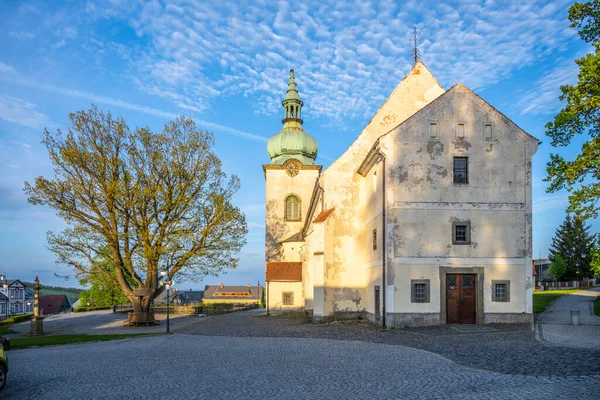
<point>292,168</point>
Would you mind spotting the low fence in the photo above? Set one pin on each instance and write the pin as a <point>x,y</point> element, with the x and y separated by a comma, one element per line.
<point>211,309</point>
<point>569,284</point>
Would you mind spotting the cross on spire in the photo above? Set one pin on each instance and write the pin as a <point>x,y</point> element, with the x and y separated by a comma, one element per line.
<point>416,54</point>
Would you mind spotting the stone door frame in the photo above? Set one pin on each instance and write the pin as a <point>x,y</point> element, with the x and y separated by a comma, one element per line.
<point>479,273</point>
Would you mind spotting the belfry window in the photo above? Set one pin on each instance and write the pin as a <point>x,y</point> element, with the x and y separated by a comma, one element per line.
<point>292,208</point>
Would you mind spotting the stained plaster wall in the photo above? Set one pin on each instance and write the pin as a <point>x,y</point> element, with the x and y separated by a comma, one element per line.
<point>372,198</point>
<point>279,185</point>
<point>346,271</point>
<point>424,201</point>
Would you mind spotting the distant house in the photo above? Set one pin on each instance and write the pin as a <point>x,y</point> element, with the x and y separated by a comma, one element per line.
<point>232,294</point>
<point>14,289</point>
<point>3,307</point>
<point>54,303</point>
<point>29,298</point>
<point>190,297</point>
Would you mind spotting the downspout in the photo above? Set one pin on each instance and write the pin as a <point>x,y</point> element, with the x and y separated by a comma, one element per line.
<point>384,240</point>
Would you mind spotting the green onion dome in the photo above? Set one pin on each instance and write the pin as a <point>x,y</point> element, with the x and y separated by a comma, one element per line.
<point>292,142</point>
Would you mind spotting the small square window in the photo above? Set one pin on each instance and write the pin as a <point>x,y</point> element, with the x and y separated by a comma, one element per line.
<point>461,170</point>
<point>461,232</point>
<point>374,239</point>
<point>433,130</point>
<point>288,298</point>
<point>501,291</point>
<point>419,290</point>
<point>488,131</point>
<point>460,130</point>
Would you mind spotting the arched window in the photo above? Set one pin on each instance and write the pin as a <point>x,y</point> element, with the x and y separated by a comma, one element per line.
<point>292,208</point>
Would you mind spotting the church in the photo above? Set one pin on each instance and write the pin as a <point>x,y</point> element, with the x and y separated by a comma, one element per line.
<point>424,220</point>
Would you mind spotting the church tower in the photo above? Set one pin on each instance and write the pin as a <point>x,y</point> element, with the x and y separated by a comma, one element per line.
<point>290,181</point>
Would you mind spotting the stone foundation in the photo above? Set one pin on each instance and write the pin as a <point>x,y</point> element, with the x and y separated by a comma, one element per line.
<point>508,318</point>
<point>406,320</point>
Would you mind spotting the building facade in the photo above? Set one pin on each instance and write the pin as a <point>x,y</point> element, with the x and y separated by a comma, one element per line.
<point>15,291</point>
<point>424,220</point>
<point>232,294</point>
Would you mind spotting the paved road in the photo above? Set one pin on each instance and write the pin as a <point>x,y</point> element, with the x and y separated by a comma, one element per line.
<point>101,323</point>
<point>197,367</point>
<point>554,324</point>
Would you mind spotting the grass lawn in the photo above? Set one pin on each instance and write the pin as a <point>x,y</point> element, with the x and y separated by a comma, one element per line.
<point>51,340</point>
<point>541,300</point>
<point>5,330</point>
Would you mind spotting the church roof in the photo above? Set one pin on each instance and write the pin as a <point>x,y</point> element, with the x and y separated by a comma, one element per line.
<point>323,215</point>
<point>284,271</point>
<point>292,142</point>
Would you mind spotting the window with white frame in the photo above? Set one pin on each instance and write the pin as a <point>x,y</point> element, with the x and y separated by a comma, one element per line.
<point>292,208</point>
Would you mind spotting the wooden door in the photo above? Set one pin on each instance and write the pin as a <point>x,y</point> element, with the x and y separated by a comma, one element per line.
<point>461,299</point>
<point>377,304</point>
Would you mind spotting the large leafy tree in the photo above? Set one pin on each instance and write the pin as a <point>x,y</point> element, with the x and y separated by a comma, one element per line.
<point>575,245</point>
<point>101,292</point>
<point>580,116</point>
<point>145,200</point>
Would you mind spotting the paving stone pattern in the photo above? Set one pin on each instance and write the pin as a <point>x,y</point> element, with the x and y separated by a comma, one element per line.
<point>504,348</point>
<point>199,367</point>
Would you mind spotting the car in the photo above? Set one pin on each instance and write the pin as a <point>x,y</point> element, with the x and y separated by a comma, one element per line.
<point>3,367</point>
<point>5,342</point>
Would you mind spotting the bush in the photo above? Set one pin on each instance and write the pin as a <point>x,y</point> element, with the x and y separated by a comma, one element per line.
<point>15,319</point>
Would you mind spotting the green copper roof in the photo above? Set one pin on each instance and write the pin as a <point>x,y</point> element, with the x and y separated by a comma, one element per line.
<point>292,142</point>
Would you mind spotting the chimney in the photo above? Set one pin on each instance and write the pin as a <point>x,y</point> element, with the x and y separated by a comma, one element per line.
<point>220,284</point>
<point>248,285</point>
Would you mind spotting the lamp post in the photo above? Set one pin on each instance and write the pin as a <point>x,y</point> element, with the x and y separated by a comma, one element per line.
<point>165,274</point>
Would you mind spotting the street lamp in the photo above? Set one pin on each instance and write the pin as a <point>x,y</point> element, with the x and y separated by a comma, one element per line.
<point>165,274</point>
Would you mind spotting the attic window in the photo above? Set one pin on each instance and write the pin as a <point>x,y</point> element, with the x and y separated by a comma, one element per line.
<point>488,131</point>
<point>460,130</point>
<point>433,130</point>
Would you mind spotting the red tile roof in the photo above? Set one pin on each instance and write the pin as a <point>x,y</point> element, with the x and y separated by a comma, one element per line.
<point>53,303</point>
<point>284,271</point>
<point>533,268</point>
<point>323,215</point>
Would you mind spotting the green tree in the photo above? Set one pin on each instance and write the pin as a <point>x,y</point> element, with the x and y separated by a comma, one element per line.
<point>574,244</point>
<point>558,267</point>
<point>580,116</point>
<point>101,292</point>
<point>154,201</point>
<point>595,264</point>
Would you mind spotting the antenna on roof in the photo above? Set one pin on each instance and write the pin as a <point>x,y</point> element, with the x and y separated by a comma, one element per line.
<point>416,54</point>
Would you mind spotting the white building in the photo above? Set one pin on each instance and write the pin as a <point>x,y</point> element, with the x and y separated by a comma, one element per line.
<point>14,290</point>
<point>425,219</point>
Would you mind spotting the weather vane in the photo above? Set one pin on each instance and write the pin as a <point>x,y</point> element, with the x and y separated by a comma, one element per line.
<point>416,54</point>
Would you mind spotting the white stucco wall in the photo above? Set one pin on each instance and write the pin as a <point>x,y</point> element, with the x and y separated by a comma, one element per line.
<point>275,295</point>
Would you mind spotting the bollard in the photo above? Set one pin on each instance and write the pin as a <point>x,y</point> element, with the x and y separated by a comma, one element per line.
<point>575,317</point>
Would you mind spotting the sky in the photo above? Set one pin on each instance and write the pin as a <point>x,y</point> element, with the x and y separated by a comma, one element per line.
<point>225,64</point>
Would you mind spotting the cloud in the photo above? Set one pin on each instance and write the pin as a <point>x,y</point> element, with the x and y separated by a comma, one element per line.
<point>546,203</point>
<point>22,112</point>
<point>543,98</point>
<point>347,56</point>
<point>22,35</point>
<point>6,69</point>
<point>31,118</point>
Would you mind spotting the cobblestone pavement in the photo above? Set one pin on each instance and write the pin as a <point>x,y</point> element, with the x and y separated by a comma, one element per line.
<point>509,349</point>
<point>198,367</point>
<point>99,323</point>
<point>554,324</point>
